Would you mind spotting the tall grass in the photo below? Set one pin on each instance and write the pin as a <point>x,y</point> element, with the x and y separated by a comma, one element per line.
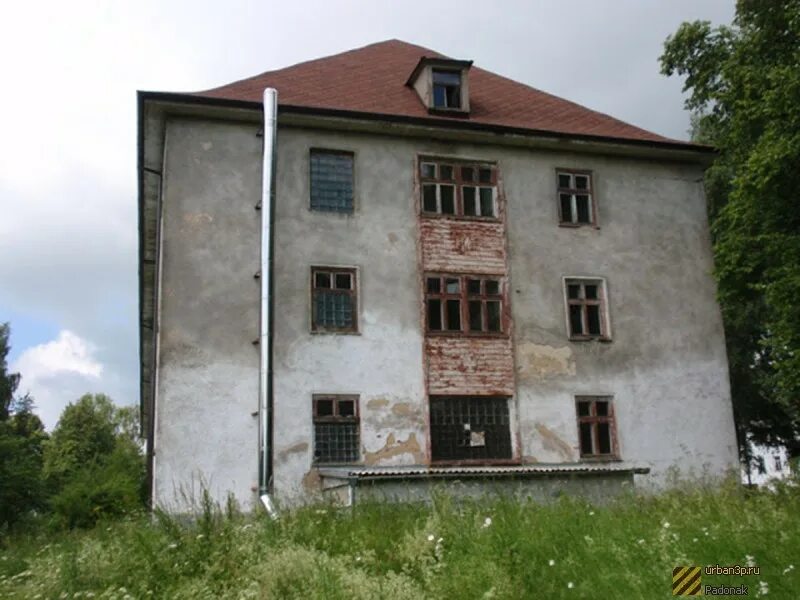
<point>478,549</point>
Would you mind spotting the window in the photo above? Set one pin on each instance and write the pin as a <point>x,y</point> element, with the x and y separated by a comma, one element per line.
<point>778,464</point>
<point>470,429</point>
<point>575,203</point>
<point>332,181</point>
<point>334,301</point>
<point>587,316</point>
<point>596,427</point>
<point>335,429</point>
<point>458,189</point>
<point>762,468</point>
<point>446,89</point>
<point>464,303</point>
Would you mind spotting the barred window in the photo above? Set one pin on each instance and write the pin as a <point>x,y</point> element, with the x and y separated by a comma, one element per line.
<point>596,427</point>
<point>332,181</point>
<point>471,428</point>
<point>336,424</point>
<point>334,301</point>
<point>576,204</point>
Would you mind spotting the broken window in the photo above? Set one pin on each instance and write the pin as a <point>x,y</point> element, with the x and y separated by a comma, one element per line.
<point>470,428</point>
<point>596,427</point>
<point>464,303</point>
<point>332,181</point>
<point>334,301</point>
<point>586,309</point>
<point>575,198</point>
<point>446,89</point>
<point>336,438</point>
<point>464,191</point>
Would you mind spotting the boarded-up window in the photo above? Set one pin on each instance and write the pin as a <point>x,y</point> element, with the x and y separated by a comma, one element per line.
<point>336,424</point>
<point>332,181</point>
<point>596,427</point>
<point>464,428</point>
<point>334,299</point>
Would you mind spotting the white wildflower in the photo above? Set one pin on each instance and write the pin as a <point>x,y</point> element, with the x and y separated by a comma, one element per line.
<point>591,513</point>
<point>763,588</point>
<point>787,569</point>
<point>751,560</point>
<point>431,537</point>
<point>551,562</point>
<point>321,511</point>
<point>665,524</point>
<point>487,522</point>
<point>694,540</point>
<point>640,541</point>
<point>172,546</point>
<point>358,559</point>
<point>200,536</point>
<point>570,585</point>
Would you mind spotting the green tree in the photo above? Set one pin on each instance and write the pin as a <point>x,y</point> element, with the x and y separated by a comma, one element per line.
<point>21,440</point>
<point>743,82</point>
<point>94,462</point>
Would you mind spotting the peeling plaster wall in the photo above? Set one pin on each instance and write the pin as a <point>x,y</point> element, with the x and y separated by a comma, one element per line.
<point>383,362</point>
<point>208,367</point>
<point>666,366</point>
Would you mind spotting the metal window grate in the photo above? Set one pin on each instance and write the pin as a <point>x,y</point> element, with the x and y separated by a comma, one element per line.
<point>335,442</point>
<point>331,181</point>
<point>470,429</point>
<point>333,309</point>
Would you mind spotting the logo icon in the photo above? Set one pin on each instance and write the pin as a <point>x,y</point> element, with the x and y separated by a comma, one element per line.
<point>686,581</point>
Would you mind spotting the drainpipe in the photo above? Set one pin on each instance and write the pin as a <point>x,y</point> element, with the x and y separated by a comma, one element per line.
<point>266,318</point>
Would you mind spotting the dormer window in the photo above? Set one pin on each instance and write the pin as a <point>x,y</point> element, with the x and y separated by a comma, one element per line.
<point>446,89</point>
<point>442,84</point>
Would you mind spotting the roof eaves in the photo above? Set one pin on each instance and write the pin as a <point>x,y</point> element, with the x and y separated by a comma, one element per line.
<point>452,122</point>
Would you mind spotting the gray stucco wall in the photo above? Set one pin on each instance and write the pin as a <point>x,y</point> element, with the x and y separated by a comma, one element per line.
<point>666,366</point>
<point>207,388</point>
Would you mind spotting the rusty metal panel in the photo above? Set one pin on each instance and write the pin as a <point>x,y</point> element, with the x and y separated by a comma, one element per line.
<point>463,246</point>
<point>466,365</point>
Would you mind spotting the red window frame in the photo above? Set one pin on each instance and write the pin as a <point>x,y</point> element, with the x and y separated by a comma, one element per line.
<point>459,175</point>
<point>584,302</point>
<point>352,292</point>
<point>592,421</point>
<point>573,191</point>
<point>464,296</point>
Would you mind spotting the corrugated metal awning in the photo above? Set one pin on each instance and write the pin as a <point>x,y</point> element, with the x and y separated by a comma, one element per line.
<point>537,470</point>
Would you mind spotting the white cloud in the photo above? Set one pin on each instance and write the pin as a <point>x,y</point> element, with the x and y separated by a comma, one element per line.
<point>58,372</point>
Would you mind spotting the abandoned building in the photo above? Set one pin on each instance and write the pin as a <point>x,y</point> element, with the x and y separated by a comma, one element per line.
<point>383,270</point>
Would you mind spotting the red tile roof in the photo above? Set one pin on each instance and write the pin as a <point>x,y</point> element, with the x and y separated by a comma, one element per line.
<point>372,80</point>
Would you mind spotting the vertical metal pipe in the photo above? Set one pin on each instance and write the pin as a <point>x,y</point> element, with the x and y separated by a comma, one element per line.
<point>265,337</point>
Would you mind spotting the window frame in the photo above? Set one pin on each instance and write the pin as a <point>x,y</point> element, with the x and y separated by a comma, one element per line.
<point>459,183</point>
<point>354,203</point>
<point>334,419</point>
<point>460,74</point>
<point>601,301</point>
<point>594,420</point>
<point>353,292</point>
<point>464,297</point>
<point>573,192</point>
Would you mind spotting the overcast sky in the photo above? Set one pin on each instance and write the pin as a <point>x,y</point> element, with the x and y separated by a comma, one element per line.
<point>68,229</point>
